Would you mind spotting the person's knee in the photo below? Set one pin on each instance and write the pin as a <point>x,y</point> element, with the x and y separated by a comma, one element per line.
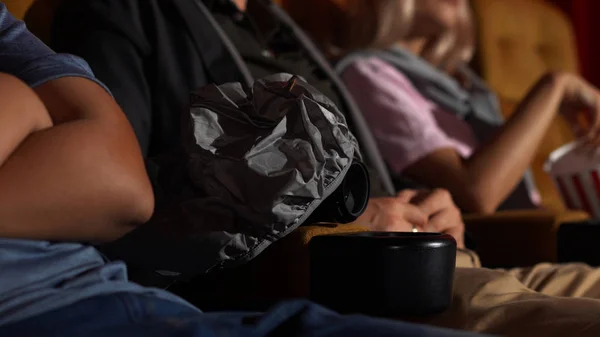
<point>474,282</point>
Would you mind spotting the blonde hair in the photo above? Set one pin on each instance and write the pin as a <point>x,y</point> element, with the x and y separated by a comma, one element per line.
<point>342,26</point>
<point>455,47</point>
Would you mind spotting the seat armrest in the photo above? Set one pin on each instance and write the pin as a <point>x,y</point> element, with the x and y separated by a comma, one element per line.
<point>280,272</point>
<point>518,238</point>
<point>578,242</point>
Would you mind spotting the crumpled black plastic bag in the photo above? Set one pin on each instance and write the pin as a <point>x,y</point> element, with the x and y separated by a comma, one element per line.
<point>254,166</point>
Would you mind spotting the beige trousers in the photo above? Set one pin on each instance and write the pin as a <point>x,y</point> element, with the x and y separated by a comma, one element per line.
<point>544,300</point>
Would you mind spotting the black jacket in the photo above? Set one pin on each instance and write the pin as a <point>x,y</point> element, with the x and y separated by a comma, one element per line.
<point>153,53</point>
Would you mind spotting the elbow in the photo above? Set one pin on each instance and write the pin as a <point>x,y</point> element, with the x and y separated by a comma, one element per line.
<point>480,208</point>
<point>131,203</point>
<point>138,198</point>
<point>479,200</point>
<point>135,208</point>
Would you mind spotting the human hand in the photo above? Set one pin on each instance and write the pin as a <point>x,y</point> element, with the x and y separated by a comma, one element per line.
<point>22,113</point>
<point>427,211</point>
<point>580,105</point>
<point>442,214</point>
<point>393,214</point>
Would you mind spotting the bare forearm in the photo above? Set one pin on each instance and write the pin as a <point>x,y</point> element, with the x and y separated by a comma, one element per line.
<point>498,166</point>
<point>60,184</point>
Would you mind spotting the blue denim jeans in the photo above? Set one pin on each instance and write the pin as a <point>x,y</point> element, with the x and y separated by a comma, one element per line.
<point>133,315</point>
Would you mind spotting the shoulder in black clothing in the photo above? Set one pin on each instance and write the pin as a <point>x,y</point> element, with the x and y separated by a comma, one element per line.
<point>142,51</point>
<point>151,58</point>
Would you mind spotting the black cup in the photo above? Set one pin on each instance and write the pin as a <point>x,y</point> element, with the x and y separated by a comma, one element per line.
<point>383,274</point>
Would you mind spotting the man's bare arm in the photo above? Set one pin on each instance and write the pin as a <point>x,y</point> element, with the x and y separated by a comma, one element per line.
<point>82,179</point>
<point>21,114</point>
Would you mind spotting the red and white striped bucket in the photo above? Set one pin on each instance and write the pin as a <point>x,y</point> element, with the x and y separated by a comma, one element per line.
<point>577,177</point>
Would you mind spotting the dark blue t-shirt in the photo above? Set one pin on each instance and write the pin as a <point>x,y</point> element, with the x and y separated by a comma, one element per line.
<point>39,276</point>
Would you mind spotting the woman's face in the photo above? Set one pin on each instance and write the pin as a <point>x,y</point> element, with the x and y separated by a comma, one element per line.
<point>435,16</point>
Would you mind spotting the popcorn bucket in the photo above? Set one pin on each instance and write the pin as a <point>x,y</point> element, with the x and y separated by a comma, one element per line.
<point>576,175</point>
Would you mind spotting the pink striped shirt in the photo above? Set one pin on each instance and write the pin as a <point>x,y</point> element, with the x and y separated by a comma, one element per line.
<point>406,125</point>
